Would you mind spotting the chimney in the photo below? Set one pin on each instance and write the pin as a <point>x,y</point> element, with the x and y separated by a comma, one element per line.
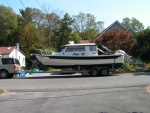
<point>17,50</point>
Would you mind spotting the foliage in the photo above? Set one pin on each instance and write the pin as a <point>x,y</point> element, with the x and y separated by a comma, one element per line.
<point>51,23</point>
<point>148,65</point>
<point>127,66</point>
<point>75,37</point>
<point>8,26</point>
<point>116,40</point>
<point>133,23</point>
<point>86,26</point>
<point>143,42</point>
<point>29,38</point>
<point>63,34</point>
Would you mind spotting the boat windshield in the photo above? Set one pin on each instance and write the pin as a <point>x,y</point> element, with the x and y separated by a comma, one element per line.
<point>62,49</point>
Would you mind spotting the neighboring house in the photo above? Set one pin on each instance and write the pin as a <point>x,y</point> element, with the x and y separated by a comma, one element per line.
<point>13,52</point>
<point>84,41</point>
<point>116,25</point>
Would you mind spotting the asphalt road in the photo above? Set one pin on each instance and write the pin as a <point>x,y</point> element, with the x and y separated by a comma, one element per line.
<point>45,93</point>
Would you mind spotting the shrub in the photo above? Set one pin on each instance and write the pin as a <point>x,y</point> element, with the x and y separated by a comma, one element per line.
<point>148,65</point>
<point>128,67</point>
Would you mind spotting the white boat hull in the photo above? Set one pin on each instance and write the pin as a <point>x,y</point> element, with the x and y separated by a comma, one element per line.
<point>88,61</point>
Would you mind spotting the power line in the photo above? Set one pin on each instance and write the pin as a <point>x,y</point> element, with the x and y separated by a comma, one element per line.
<point>39,4</point>
<point>7,3</point>
<point>10,5</point>
<point>30,3</point>
<point>22,4</point>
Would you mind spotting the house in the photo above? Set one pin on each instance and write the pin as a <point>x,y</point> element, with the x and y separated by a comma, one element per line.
<point>116,25</point>
<point>84,41</point>
<point>13,52</point>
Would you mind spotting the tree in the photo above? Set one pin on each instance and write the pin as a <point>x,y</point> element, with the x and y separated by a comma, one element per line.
<point>64,32</point>
<point>143,42</point>
<point>86,26</point>
<point>29,35</point>
<point>8,26</point>
<point>30,38</point>
<point>51,23</point>
<point>116,40</point>
<point>75,37</point>
<point>133,23</point>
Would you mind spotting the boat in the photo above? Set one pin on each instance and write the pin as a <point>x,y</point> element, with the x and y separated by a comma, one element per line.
<point>81,56</point>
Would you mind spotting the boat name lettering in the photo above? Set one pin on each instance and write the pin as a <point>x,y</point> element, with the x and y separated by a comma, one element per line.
<point>82,53</point>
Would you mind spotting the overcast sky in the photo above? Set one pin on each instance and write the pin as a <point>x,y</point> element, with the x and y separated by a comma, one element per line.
<point>104,10</point>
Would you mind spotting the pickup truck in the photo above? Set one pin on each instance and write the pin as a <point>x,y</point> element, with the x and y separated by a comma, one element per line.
<point>9,67</point>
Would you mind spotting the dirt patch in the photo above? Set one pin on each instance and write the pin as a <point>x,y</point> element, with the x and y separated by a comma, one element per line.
<point>148,88</point>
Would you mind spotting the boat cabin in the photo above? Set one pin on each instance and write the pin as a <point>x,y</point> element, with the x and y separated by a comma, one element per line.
<point>88,49</point>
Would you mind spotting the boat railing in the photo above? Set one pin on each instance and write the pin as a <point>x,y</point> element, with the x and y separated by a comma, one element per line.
<point>110,52</point>
<point>43,51</point>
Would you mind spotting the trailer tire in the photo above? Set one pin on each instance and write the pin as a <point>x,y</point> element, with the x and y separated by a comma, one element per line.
<point>104,71</point>
<point>94,72</point>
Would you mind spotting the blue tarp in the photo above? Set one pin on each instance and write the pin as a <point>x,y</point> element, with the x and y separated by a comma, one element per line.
<point>33,71</point>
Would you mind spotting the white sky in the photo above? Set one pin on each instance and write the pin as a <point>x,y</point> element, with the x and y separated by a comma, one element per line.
<point>104,10</point>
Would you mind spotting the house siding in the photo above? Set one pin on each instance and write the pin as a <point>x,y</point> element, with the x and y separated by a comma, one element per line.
<point>20,57</point>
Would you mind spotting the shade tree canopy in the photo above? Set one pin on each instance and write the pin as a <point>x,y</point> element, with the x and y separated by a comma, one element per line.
<point>132,23</point>
<point>143,43</point>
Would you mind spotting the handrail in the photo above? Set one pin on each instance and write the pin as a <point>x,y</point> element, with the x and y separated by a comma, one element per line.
<point>44,52</point>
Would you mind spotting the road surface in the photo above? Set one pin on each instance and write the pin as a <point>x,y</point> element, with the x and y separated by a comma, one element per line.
<point>52,93</point>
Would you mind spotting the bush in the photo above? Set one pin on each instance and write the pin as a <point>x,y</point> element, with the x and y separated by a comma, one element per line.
<point>128,67</point>
<point>148,65</point>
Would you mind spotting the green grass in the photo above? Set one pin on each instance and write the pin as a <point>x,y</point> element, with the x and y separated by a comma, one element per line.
<point>53,69</point>
<point>1,91</point>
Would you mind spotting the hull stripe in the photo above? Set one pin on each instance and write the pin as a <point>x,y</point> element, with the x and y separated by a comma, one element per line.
<point>82,58</point>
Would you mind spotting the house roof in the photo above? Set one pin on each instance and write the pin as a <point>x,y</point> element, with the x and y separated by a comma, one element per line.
<point>113,24</point>
<point>7,50</point>
<point>84,41</point>
<point>130,29</point>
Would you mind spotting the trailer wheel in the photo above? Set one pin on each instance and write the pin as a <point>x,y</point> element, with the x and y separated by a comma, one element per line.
<point>104,71</point>
<point>94,72</point>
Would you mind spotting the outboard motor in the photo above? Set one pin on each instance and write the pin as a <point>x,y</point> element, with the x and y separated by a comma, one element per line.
<point>121,52</point>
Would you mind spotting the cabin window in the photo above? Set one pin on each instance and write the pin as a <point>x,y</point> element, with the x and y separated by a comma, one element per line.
<point>92,48</point>
<point>70,49</point>
<point>80,49</point>
<point>75,49</point>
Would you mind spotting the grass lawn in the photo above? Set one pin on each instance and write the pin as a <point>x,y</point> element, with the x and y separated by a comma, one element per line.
<point>1,91</point>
